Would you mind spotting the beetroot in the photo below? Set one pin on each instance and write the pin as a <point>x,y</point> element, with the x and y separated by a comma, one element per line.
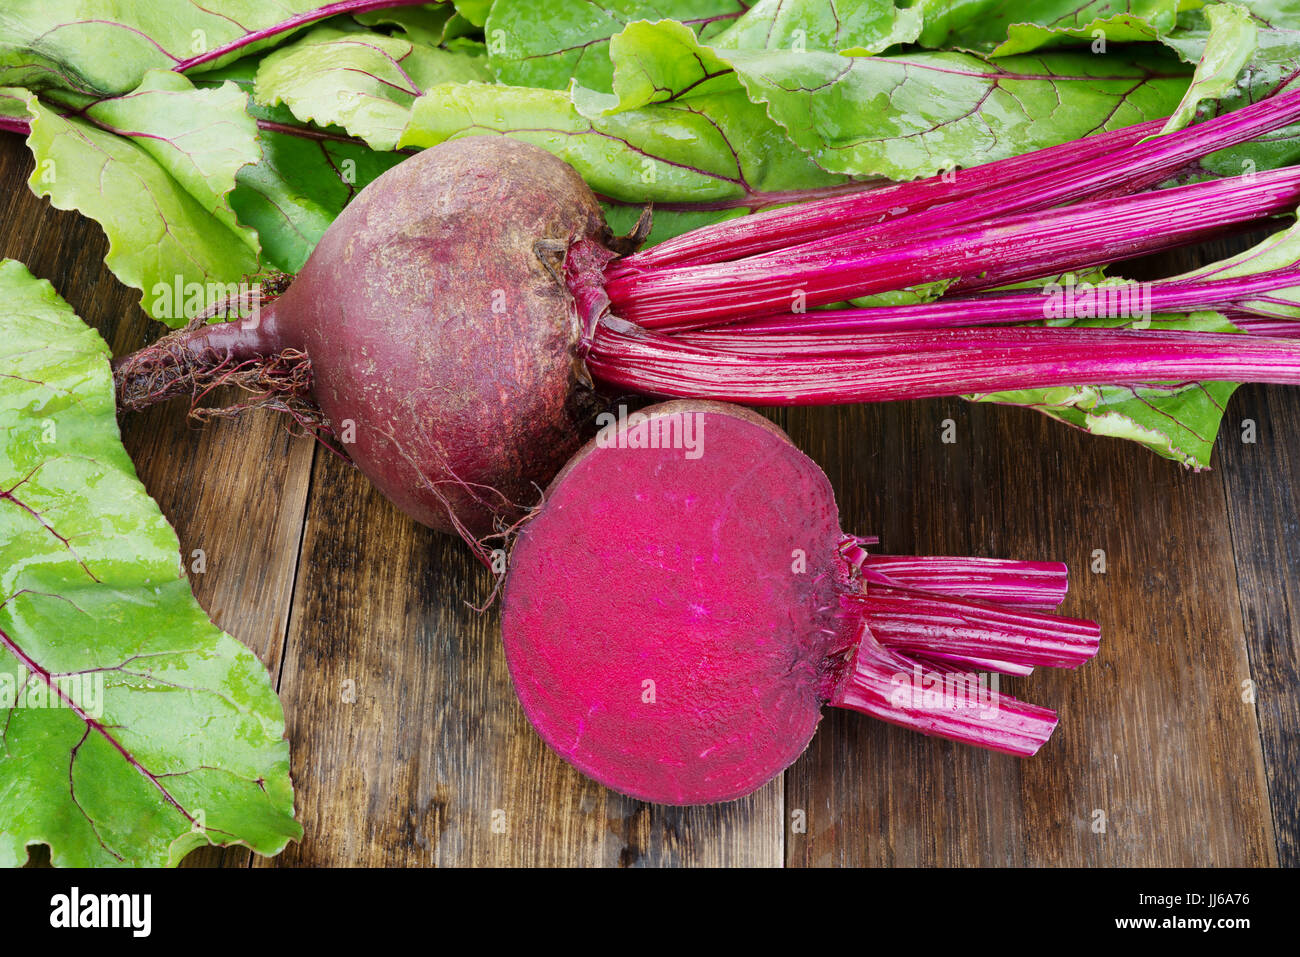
<point>435,319</point>
<point>684,603</point>
<point>448,328</point>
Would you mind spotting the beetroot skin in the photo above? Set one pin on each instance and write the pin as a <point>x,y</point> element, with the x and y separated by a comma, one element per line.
<point>434,323</point>
<point>437,321</point>
<point>684,603</point>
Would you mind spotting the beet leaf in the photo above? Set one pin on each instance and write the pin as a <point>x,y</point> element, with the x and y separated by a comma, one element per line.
<point>132,729</point>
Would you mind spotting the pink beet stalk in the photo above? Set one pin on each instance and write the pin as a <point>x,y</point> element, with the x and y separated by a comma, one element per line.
<point>1011,249</point>
<point>880,367</point>
<point>1108,164</point>
<point>1166,296</point>
<point>978,664</point>
<point>938,700</point>
<point>912,665</point>
<point>933,624</point>
<point>1038,585</point>
<point>1277,328</point>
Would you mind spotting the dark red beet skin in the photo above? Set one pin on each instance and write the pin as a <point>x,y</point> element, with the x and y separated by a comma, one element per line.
<point>684,603</point>
<point>649,566</point>
<point>443,340</point>
<point>450,322</point>
<point>434,324</point>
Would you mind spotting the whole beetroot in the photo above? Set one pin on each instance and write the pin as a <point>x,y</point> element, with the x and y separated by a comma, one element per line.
<point>442,339</point>
<point>449,325</point>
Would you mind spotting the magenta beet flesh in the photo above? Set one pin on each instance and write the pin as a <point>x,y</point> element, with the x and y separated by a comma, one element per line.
<point>684,603</point>
<point>656,633</point>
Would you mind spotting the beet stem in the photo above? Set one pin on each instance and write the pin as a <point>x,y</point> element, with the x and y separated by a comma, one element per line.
<point>918,650</point>
<point>1038,585</point>
<point>978,664</point>
<point>806,222</point>
<point>914,621</point>
<point>994,253</point>
<point>1164,296</point>
<point>879,367</point>
<point>903,691</point>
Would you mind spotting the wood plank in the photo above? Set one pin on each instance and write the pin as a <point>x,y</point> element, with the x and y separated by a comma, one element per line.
<point>433,761</point>
<point>1149,730</point>
<point>236,490</point>
<point>1202,591</point>
<point>1263,502</point>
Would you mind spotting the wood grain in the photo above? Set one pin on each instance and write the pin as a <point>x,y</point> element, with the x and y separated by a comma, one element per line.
<point>1263,505</point>
<point>409,747</point>
<point>426,757</point>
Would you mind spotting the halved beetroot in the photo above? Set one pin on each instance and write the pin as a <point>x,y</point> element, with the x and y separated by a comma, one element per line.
<point>684,603</point>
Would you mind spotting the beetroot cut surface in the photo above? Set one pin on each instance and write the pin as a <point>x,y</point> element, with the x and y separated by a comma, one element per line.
<point>684,603</point>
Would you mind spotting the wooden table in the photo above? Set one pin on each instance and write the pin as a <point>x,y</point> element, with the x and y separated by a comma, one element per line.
<point>409,747</point>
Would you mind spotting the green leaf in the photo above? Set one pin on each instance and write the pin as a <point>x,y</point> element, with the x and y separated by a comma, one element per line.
<point>362,81</point>
<point>904,116</point>
<point>552,44</point>
<point>201,138</point>
<point>907,296</point>
<point>134,729</point>
<point>917,115</point>
<point>106,47</point>
<point>986,25</point>
<point>900,117</point>
<point>718,148</point>
<point>663,61</point>
<point>430,25</point>
<point>1097,35</point>
<point>155,170</point>
<point>848,26</point>
<point>304,179</point>
<point>1178,422</point>
<point>667,223</point>
<point>299,188</point>
<point>1231,45</point>
<point>13,103</point>
<point>700,163</point>
<point>475,11</point>
<point>1273,64</point>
